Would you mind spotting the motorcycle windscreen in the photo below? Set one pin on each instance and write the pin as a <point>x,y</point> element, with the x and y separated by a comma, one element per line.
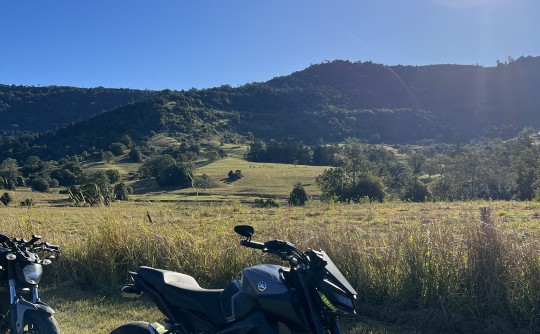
<point>337,276</point>
<point>335,292</point>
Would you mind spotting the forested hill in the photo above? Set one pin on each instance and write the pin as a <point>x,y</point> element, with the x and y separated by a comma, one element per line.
<point>26,108</point>
<point>332,101</point>
<point>444,101</point>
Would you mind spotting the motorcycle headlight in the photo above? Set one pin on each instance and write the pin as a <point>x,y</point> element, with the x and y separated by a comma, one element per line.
<point>32,273</point>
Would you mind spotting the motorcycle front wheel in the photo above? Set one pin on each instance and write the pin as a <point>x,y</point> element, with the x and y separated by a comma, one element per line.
<point>135,327</point>
<point>40,323</point>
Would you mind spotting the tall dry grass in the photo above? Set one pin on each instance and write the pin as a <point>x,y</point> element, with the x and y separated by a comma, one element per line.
<point>449,267</point>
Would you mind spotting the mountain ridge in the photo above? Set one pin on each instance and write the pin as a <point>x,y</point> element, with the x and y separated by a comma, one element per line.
<point>329,101</point>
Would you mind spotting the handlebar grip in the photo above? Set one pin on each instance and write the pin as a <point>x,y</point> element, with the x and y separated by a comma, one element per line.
<point>55,248</point>
<point>252,244</point>
<point>35,238</point>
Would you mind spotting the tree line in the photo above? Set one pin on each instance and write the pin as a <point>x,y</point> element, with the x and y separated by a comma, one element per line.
<point>489,169</point>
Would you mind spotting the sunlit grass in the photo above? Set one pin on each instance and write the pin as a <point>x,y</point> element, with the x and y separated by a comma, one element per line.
<point>429,263</point>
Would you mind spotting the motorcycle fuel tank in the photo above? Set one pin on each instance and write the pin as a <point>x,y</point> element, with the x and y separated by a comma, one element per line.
<point>265,288</point>
<point>263,280</point>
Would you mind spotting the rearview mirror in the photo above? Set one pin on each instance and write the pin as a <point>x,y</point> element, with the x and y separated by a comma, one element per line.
<point>244,230</point>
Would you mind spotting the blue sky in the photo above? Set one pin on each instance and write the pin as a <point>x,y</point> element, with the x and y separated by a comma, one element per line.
<point>180,44</point>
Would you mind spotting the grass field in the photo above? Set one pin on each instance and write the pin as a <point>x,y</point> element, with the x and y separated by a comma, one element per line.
<point>418,268</point>
<point>259,180</point>
<point>412,264</point>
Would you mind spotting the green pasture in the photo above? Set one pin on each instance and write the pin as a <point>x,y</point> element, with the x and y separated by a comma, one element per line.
<point>260,180</point>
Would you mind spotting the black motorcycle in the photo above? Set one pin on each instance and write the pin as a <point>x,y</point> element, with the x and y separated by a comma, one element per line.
<point>21,269</point>
<point>265,299</point>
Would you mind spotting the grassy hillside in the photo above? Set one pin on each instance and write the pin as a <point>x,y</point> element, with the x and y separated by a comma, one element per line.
<point>264,180</point>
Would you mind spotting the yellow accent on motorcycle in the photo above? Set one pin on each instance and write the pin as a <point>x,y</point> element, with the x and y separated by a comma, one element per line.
<point>327,302</point>
<point>157,328</point>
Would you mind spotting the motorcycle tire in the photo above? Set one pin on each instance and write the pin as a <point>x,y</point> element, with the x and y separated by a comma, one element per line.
<point>40,323</point>
<point>134,327</point>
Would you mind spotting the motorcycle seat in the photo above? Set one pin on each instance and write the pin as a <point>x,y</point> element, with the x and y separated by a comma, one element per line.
<point>182,291</point>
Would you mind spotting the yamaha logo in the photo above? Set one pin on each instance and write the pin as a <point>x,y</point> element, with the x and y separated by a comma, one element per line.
<point>262,286</point>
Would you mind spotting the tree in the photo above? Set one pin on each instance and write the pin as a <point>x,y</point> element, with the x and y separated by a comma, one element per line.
<point>121,192</point>
<point>323,155</point>
<point>416,161</point>
<point>233,176</point>
<point>256,152</point>
<point>10,184</point>
<point>333,182</point>
<point>354,160</point>
<point>417,192</point>
<point>135,155</point>
<point>175,175</point>
<point>117,148</point>
<point>21,181</point>
<point>369,186</point>
<point>167,172</point>
<point>127,141</point>
<point>107,156</point>
<point>40,184</point>
<point>6,199</point>
<point>65,177</point>
<point>298,196</point>
<point>9,169</point>
<point>155,165</point>
<point>32,164</point>
<point>204,182</point>
<point>113,175</point>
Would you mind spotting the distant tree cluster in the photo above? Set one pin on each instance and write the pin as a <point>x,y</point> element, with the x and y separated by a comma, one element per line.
<point>365,171</point>
<point>292,152</point>
<point>99,187</point>
<point>492,169</point>
<point>265,203</point>
<point>166,171</point>
<point>234,176</point>
<point>496,169</point>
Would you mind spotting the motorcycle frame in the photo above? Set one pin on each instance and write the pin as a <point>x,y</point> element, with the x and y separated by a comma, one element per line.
<point>257,320</point>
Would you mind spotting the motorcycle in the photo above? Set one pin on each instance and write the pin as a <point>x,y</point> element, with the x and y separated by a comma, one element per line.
<point>21,269</point>
<point>305,297</point>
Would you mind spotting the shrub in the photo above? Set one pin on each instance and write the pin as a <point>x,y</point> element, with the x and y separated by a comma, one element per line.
<point>236,175</point>
<point>40,184</point>
<point>269,203</point>
<point>27,202</point>
<point>6,199</point>
<point>298,196</point>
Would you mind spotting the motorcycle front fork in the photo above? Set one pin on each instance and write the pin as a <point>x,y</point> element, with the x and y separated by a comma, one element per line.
<point>334,326</point>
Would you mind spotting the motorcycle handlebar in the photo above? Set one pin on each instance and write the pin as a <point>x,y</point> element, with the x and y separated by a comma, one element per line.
<point>35,238</point>
<point>252,244</point>
<point>12,244</point>
<point>285,250</point>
